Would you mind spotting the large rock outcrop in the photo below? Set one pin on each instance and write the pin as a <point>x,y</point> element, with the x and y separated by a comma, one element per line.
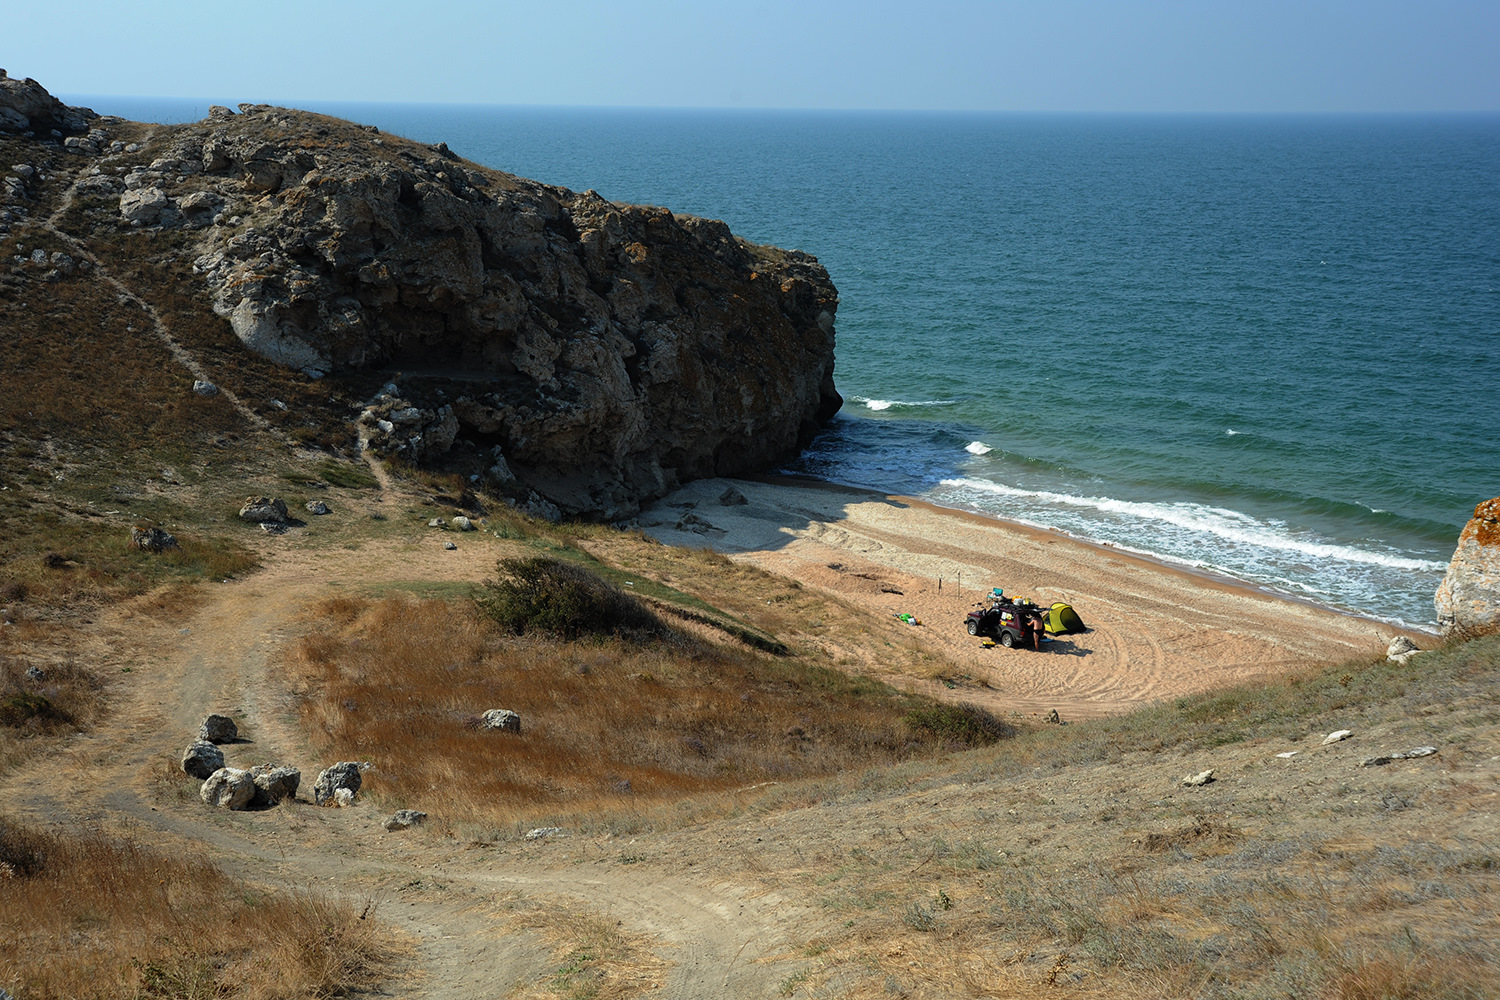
<point>25,106</point>
<point>600,353</point>
<point>1468,599</point>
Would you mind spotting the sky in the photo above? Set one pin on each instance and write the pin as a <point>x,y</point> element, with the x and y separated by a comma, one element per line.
<point>1151,56</point>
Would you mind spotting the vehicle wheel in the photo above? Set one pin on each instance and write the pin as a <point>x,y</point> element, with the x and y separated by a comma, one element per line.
<point>973,628</point>
<point>1007,640</point>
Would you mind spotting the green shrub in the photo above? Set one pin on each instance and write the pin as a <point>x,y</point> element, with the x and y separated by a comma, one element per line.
<point>966,724</point>
<point>564,600</point>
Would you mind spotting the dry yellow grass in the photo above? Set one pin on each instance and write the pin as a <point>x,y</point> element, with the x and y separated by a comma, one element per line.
<point>608,726</point>
<point>83,915</point>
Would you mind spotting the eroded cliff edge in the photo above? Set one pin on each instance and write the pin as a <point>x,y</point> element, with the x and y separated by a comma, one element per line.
<point>601,353</point>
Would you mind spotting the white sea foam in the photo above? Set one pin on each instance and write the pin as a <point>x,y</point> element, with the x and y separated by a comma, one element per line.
<point>1231,525</point>
<point>978,448</point>
<point>886,404</point>
<point>1231,431</point>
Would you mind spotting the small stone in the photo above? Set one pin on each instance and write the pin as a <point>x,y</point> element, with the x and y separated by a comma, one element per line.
<point>463,523</point>
<point>1201,778</point>
<point>218,729</point>
<point>318,507</point>
<point>1335,737</point>
<point>1400,644</point>
<point>201,759</point>
<point>437,522</point>
<point>1374,761</point>
<point>449,545</point>
<point>1288,755</point>
<point>152,539</point>
<point>35,674</point>
<point>502,719</point>
<point>1054,718</point>
<point>404,818</point>
<point>543,832</point>
<point>205,388</point>
<point>343,798</point>
<point>732,497</point>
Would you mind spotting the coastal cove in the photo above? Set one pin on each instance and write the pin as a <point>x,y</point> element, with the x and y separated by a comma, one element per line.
<point>1260,346</point>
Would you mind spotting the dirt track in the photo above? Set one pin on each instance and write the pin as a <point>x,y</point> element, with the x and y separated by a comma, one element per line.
<point>710,938</point>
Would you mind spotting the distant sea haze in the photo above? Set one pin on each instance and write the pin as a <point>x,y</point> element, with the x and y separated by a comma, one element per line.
<point>1266,346</point>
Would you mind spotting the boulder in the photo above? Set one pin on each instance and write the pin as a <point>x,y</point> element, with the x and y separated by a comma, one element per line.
<point>264,510</point>
<point>218,729</point>
<point>732,498</point>
<point>1199,779</point>
<point>201,759</point>
<point>318,507</point>
<point>345,776</point>
<point>404,818</point>
<point>228,788</point>
<point>502,719</point>
<point>152,539</point>
<point>144,205</point>
<point>273,783</point>
<point>205,388</point>
<point>1468,599</point>
<point>1338,736</point>
<point>461,523</point>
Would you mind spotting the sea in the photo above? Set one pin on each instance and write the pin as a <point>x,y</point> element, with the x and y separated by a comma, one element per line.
<point>1266,347</point>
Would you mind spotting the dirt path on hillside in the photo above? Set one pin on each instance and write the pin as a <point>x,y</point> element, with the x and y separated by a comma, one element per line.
<point>1154,631</point>
<point>706,938</point>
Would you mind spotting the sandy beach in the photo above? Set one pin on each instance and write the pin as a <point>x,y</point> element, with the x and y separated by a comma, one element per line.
<point>1155,631</point>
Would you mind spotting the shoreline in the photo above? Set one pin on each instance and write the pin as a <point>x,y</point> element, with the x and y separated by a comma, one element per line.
<point>1156,630</point>
<point>1211,577</point>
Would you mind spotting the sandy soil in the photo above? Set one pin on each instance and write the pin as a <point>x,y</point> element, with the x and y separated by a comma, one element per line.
<point>1154,631</point>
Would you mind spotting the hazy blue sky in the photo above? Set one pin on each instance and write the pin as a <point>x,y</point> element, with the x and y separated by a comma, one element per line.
<point>1057,55</point>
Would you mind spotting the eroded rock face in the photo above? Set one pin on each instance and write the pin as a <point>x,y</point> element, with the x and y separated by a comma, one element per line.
<point>25,106</point>
<point>1468,599</point>
<point>608,351</point>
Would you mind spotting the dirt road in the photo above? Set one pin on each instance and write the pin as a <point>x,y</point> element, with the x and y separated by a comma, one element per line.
<point>477,917</point>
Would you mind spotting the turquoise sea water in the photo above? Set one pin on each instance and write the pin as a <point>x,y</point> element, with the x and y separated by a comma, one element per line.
<point>1264,346</point>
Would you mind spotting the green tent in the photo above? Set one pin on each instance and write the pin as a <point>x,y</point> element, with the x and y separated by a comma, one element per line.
<point>1062,618</point>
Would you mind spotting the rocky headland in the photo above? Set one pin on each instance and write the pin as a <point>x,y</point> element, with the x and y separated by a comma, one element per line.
<point>599,354</point>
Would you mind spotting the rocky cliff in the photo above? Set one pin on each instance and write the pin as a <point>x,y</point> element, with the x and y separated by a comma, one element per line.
<point>599,352</point>
<point>1468,599</point>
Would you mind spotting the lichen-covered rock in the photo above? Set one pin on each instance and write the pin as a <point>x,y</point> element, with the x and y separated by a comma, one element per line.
<point>502,719</point>
<point>345,776</point>
<point>1468,599</point>
<point>404,818</point>
<point>228,788</point>
<point>150,539</point>
<point>264,510</point>
<point>201,759</point>
<point>272,784</point>
<point>218,729</point>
